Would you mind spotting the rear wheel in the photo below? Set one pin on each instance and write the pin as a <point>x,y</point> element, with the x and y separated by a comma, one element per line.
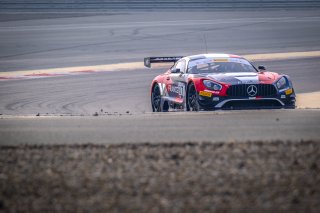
<point>192,98</point>
<point>157,102</point>
<point>156,98</point>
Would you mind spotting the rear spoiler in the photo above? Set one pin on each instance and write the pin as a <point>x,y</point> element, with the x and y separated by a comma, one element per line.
<point>148,61</point>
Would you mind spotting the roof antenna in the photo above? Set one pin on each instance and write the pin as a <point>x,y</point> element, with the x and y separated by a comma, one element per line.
<point>205,42</point>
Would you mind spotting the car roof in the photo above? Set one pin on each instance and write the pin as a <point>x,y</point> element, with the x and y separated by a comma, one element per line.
<point>212,55</point>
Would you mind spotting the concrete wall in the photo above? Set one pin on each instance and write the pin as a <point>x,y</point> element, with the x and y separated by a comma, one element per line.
<point>102,5</point>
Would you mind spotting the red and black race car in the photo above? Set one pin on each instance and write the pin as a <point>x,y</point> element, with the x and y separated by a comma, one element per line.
<point>217,81</point>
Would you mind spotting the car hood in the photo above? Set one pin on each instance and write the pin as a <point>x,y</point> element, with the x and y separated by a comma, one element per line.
<point>244,77</point>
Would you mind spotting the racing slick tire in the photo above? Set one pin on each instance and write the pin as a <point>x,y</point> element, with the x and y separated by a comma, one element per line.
<point>291,104</point>
<point>157,102</point>
<point>192,98</point>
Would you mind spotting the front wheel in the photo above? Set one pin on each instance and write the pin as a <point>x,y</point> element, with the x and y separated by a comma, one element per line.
<point>291,104</point>
<point>192,98</point>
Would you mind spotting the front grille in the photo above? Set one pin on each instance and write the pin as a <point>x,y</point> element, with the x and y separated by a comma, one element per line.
<point>240,90</point>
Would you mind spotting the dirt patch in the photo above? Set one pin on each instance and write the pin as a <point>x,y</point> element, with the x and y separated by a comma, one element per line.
<point>308,100</point>
<point>171,177</point>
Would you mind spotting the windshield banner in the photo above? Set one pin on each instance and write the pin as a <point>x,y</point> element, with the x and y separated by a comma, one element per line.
<point>213,60</point>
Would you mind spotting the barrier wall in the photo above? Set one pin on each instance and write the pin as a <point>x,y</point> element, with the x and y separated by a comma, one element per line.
<point>102,5</point>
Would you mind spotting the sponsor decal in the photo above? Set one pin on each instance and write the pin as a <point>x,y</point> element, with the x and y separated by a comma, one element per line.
<point>221,60</point>
<point>283,96</point>
<point>215,98</point>
<point>210,60</point>
<point>205,93</point>
<point>162,88</point>
<point>164,59</point>
<point>288,92</point>
<point>177,89</point>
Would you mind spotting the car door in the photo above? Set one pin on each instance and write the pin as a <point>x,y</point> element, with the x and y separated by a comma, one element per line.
<point>176,82</point>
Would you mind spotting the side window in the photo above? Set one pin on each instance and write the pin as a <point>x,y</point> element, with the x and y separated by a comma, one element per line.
<point>181,65</point>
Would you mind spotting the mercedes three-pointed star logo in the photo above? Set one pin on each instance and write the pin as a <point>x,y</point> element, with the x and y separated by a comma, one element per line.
<point>252,90</point>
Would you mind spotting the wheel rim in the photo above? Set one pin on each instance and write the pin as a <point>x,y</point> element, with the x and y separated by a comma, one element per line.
<point>192,99</point>
<point>156,98</point>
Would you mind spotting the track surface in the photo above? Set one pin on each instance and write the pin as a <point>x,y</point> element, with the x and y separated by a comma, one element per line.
<point>58,42</point>
<point>116,91</point>
<point>37,41</point>
<point>264,125</point>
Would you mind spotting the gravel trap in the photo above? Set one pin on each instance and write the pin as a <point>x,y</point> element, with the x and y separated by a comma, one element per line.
<point>170,177</point>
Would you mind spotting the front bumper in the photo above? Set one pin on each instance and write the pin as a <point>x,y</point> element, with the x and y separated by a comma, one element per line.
<point>250,102</point>
<point>227,102</point>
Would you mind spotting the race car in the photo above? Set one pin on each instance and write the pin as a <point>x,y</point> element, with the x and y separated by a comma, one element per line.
<point>217,81</point>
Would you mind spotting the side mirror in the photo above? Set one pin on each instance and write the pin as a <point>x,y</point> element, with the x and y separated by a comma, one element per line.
<point>261,67</point>
<point>175,70</point>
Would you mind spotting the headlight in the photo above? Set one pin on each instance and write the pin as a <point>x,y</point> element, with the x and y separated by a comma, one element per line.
<point>282,83</point>
<point>212,85</point>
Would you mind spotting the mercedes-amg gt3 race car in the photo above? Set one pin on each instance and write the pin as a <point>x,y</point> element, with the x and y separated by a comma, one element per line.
<point>218,81</point>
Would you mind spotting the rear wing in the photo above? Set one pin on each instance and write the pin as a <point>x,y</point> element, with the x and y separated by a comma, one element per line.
<point>148,61</point>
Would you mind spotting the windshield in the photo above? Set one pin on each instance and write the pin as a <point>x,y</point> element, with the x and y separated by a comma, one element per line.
<point>219,65</point>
